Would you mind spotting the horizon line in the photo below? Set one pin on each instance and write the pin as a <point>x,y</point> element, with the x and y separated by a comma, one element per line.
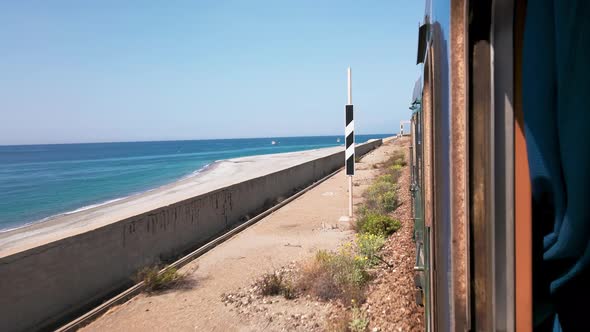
<point>185,140</point>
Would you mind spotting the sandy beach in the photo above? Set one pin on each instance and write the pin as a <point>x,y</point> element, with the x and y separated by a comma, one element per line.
<point>216,176</point>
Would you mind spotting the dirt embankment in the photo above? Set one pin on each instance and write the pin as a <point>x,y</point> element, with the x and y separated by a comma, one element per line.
<point>391,301</point>
<point>390,296</point>
<point>223,296</point>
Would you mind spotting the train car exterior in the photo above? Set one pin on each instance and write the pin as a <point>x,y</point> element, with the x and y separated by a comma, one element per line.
<point>495,202</point>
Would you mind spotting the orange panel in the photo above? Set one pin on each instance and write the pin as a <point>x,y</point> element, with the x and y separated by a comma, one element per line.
<point>522,192</point>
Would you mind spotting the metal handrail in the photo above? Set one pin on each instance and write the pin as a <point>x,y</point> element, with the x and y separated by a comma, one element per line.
<point>418,266</point>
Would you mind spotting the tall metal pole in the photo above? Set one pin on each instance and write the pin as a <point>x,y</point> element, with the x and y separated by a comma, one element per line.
<point>350,132</point>
<point>349,86</point>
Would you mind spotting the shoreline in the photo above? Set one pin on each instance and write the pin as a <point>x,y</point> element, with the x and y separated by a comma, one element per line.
<point>109,201</point>
<point>215,176</point>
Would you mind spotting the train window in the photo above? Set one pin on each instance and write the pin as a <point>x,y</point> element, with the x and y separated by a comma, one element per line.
<point>422,33</point>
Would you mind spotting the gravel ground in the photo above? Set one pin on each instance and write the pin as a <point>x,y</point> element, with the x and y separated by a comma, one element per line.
<point>294,233</point>
<point>390,301</point>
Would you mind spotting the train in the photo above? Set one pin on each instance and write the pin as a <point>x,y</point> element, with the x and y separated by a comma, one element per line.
<point>500,165</point>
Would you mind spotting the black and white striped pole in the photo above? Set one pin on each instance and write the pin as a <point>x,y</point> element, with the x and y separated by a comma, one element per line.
<point>349,134</point>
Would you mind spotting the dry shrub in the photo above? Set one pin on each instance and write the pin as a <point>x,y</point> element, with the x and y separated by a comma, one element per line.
<point>397,158</point>
<point>155,281</point>
<point>275,284</point>
<point>340,276</point>
<point>359,322</point>
<point>355,320</point>
<point>339,323</point>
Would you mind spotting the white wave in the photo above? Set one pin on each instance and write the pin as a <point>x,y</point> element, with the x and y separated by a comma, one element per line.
<point>91,206</point>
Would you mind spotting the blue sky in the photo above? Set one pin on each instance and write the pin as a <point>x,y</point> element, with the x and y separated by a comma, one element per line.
<point>97,71</point>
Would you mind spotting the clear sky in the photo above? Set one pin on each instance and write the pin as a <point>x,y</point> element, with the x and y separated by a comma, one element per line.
<point>96,71</point>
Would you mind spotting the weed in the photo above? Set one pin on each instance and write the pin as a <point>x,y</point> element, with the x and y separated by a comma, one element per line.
<point>396,161</point>
<point>341,275</point>
<point>359,321</point>
<point>155,281</point>
<point>388,201</point>
<point>381,196</point>
<point>388,178</point>
<point>275,284</point>
<point>339,323</point>
<point>355,320</point>
<point>398,158</point>
<point>368,246</point>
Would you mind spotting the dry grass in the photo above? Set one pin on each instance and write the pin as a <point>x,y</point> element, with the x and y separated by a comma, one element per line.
<point>343,276</point>
<point>275,284</point>
<point>354,320</point>
<point>335,276</point>
<point>155,281</point>
<point>339,323</point>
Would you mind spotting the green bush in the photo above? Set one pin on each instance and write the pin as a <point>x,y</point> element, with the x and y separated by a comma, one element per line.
<point>378,197</point>
<point>368,246</point>
<point>388,178</point>
<point>378,224</point>
<point>348,269</point>
<point>396,167</point>
<point>399,158</point>
<point>388,201</point>
<point>400,162</point>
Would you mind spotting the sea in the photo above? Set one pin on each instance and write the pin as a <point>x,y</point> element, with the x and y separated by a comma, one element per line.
<point>38,182</point>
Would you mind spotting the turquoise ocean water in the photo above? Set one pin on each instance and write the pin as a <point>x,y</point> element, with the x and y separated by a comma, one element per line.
<point>40,181</point>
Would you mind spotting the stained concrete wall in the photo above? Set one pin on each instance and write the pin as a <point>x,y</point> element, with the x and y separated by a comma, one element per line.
<point>47,284</point>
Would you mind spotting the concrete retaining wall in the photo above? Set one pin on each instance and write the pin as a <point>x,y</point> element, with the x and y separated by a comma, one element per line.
<point>45,285</point>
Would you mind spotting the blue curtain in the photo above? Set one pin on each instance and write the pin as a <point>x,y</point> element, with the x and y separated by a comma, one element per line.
<point>556,94</point>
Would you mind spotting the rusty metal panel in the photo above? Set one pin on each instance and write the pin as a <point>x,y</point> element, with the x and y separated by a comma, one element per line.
<point>459,166</point>
<point>481,171</point>
<point>481,187</point>
<point>427,179</point>
<point>427,144</point>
